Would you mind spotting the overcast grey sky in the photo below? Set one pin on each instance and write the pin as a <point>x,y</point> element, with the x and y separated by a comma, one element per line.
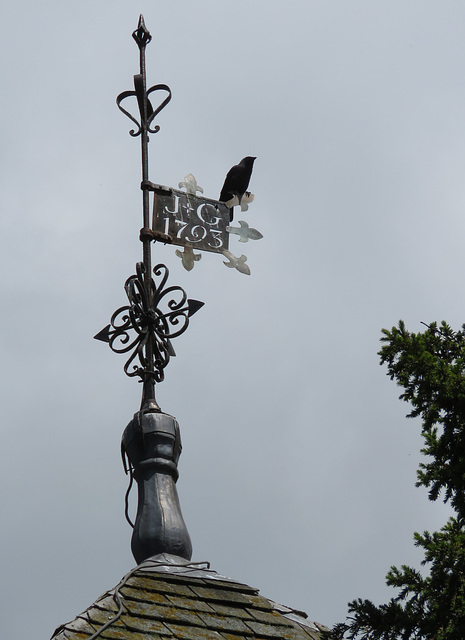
<point>298,467</point>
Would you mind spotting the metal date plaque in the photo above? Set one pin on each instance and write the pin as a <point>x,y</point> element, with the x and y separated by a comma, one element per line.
<point>191,220</point>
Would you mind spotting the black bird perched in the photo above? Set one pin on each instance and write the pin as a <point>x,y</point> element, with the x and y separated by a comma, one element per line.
<point>237,180</point>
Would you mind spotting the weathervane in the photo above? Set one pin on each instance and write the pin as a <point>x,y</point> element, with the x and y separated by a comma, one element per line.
<point>157,313</point>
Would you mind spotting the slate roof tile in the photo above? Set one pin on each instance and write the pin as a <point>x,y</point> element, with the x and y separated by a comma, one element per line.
<point>146,625</point>
<point>293,633</point>
<point>229,610</point>
<point>124,634</point>
<point>187,633</point>
<point>171,614</point>
<point>154,583</point>
<point>271,617</point>
<point>144,595</point>
<point>266,630</point>
<point>74,635</point>
<point>79,626</point>
<point>190,603</point>
<point>224,623</point>
<point>223,595</point>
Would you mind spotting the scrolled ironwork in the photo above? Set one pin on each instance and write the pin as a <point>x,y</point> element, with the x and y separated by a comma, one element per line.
<point>145,327</point>
<point>148,113</point>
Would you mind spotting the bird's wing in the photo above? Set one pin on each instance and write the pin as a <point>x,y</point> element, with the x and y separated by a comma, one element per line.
<point>229,186</point>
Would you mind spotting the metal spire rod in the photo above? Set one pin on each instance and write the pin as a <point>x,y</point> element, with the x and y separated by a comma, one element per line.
<point>156,314</point>
<point>142,37</point>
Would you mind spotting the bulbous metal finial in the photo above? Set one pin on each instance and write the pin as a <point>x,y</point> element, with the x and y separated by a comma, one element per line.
<point>151,445</point>
<point>142,35</point>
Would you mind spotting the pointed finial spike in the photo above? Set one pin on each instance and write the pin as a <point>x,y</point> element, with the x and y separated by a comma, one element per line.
<point>142,35</point>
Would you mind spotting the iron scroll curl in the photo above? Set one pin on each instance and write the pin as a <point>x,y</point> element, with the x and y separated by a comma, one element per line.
<point>145,327</point>
<point>143,97</point>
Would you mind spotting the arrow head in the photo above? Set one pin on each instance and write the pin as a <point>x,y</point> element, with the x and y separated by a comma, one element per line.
<point>104,334</point>
<point>194,306</point>
<point>170,347</point>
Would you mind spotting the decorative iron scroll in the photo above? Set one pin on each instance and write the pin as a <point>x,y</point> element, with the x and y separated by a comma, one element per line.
<point>147,325</point>
<point>146,110</point>
<point>143,96</point>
